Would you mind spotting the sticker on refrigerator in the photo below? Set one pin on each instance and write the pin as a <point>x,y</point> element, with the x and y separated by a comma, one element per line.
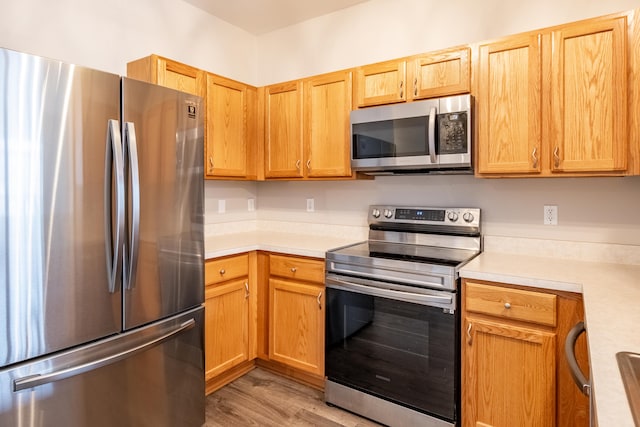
<point>191,111</point>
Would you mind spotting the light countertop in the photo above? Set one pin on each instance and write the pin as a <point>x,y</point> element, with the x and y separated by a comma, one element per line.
<point>611,294</point>
<point>288,243</point>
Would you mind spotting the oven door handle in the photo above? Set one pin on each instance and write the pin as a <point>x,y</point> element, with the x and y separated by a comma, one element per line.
<point>373,288</point>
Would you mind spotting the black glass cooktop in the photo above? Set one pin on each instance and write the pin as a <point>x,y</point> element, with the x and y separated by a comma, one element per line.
<point>408,252</point>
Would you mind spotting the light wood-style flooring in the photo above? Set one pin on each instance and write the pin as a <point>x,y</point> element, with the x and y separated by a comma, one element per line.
<point>262,398</point>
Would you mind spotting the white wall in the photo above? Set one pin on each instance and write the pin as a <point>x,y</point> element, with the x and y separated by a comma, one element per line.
<point>378,30</point>
<point>106,34</point>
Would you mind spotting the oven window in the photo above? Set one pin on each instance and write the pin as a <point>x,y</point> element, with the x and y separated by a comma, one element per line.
<point>398,351</point>
<point>391,138</point>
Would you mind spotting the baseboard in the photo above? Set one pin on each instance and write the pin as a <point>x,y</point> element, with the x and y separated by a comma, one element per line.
<point>225,378</point>
<point>306,378</point>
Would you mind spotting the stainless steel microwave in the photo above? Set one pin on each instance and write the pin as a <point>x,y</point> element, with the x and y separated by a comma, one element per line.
<point>430,136</point>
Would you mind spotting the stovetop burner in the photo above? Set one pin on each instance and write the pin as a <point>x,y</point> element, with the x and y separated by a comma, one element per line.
<point>418,246</point>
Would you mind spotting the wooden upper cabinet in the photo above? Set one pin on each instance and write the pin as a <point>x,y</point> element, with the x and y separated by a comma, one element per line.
<point>440,73</point>
<point>283,130</point>
<point>571,122</point>
<point>508,106</point>
<point>589,96</point>
<point>327,105</point>
<point>226,148</point>
<point>168,73</point>
<point>381,83</point>
<point>230,120</point>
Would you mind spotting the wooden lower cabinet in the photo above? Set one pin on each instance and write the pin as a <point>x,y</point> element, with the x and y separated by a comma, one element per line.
<point>227,340</point>
<point>513,368</point>
<point>510,372</point>
<point>296,325</point>
<point>264,309</point>
<point>230,318</point>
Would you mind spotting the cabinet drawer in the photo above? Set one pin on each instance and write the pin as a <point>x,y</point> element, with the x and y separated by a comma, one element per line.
<point>223,269</point>
<point>297,268</point>
<point>527,306</point>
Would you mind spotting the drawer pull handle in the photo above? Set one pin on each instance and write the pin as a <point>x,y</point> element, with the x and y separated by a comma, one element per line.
<point>246,287</point>
<point>293,269</point>
<point>222,271</point>
<point>469,340</point>
<point>319,302</point>
<point>507,305</point>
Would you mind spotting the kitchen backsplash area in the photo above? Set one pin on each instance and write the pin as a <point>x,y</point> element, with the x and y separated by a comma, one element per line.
<point>592,210</point>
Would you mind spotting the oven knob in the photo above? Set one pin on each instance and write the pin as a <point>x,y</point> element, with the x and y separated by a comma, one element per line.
<point>388,213</point>
<point>468,216</point>
<point>453,217</point>
<point>375,213</point>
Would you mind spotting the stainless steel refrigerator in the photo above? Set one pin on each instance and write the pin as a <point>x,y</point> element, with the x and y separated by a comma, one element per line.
<point>101,249</point>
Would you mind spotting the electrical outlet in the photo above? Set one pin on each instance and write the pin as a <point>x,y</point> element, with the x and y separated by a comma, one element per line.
<point>550,215</point>
<point>310,205</point>
<point>251,205</point>
<point>222,206</point>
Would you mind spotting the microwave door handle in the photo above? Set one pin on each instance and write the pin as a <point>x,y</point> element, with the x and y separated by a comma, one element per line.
<point>431,135</point>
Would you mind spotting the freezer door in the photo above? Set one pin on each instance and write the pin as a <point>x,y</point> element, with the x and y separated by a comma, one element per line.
<point>59,285</point>
<point>163,140</point>
<point>153,376</point>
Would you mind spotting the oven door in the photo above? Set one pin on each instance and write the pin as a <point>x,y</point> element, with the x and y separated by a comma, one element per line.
<point>395,344</point>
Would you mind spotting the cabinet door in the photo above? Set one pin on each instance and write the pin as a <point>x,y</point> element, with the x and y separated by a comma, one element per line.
<point>382,83</point>
<point>226,149</point>
<point>440,74</point>
<point>296,325</point>
<point>226,326</point>
<point>179,76</point>
<point>283,131</point>
<point>589,97</point>
<point>327,107</point>
<point>508,375</point>
<point>508,106</point>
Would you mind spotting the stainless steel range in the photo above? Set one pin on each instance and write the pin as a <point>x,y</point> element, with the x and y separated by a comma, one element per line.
<point>392,322</point>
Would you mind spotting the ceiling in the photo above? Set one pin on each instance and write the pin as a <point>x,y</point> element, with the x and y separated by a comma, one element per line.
<point>262,16</point>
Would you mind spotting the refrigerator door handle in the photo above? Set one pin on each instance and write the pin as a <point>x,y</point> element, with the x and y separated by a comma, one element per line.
<point>132,150</point>
<point>114,162</point>
<point>41,379</point>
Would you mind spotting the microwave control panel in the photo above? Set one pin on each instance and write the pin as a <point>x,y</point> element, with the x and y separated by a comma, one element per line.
<point>452,133</point>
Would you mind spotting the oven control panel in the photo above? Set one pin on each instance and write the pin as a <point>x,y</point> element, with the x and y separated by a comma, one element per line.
<point>466,217</point>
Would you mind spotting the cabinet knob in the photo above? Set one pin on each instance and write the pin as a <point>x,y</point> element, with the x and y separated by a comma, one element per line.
<point>507,305</point>
<point>294,269</point>
<point>222,271</point>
